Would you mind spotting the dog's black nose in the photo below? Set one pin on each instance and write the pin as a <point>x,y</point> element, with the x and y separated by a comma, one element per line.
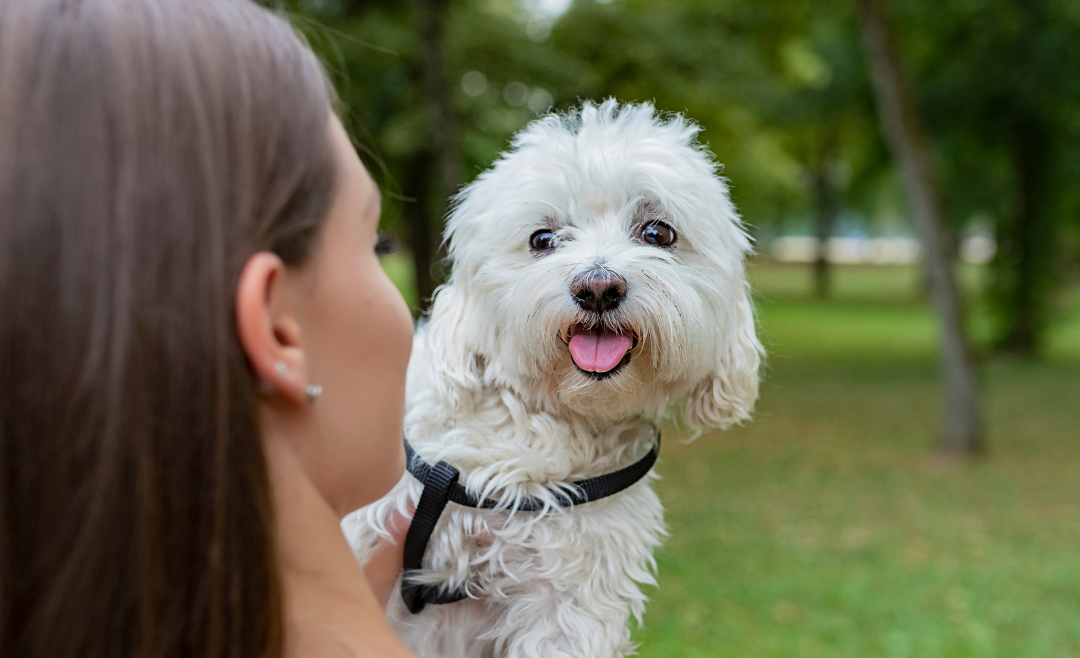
<point>598,290</point>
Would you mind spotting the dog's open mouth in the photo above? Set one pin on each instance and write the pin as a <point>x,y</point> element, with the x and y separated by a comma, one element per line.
<point>600,351</point>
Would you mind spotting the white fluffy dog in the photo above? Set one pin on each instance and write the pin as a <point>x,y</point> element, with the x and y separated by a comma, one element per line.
<point>598,281</point>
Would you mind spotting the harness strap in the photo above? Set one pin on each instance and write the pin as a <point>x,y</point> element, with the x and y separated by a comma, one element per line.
<point>437,482</point>
<point>441,486</point>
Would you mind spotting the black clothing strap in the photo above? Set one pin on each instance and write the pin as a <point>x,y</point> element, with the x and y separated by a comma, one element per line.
<point>441,486</point>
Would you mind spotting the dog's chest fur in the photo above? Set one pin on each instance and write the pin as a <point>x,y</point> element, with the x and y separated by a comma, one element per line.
<point>561,582</point>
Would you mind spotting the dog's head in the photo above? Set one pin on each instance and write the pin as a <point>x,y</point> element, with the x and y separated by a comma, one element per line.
<point>598,267</point>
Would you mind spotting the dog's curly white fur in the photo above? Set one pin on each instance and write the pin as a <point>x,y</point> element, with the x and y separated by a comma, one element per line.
<point>495,391</point>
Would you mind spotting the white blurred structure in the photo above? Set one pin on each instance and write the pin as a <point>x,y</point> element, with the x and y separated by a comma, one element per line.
<point>977,248</point>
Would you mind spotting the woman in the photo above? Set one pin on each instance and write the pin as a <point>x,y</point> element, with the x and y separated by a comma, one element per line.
<point>201,362</point>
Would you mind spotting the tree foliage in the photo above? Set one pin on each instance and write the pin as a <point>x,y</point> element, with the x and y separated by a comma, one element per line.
<point>781,91</point>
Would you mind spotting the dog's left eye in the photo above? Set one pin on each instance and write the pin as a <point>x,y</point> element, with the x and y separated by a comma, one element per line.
<point>658,233</point>
<point>542,240</point>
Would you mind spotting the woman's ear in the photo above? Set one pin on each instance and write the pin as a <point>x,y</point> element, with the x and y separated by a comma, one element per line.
<point>727,395</point>
<point>267,325</point>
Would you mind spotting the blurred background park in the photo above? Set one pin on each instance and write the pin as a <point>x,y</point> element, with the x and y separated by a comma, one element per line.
<point>834,524</point>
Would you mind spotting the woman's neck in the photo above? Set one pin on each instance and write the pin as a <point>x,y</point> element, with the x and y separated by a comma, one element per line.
<point>329,609</point>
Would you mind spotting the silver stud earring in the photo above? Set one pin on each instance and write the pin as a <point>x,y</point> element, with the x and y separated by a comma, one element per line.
<point>280,368</point>
<point>313,393</point>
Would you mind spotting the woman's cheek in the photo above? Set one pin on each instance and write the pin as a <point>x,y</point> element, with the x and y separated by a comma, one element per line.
<point>386,332</point>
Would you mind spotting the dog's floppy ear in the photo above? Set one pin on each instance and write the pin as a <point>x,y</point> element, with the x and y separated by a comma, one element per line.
<point>726,395</point>
<point>450,337</point>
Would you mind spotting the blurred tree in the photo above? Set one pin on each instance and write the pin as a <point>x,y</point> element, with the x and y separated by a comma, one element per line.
<point>1002,96</point>
<point>826,115</point>
<point>434,172</point>
<point>1029,119</point>
<point>780,92</point>
<point>387,60</point>
<point>961,430</point>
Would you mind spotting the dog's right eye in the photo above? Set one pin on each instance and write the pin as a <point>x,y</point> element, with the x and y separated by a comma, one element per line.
<point>658,233</point>
<point>543,240</point>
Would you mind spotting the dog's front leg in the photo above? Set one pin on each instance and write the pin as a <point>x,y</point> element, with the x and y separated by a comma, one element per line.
<point>540,622</point>
<point>570,585</point>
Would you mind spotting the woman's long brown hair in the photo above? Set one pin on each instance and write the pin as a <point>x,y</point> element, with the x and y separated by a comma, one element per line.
<point>147,149</point>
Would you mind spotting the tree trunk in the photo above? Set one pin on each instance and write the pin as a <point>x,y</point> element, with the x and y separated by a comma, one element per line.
<point>821,164</point>
<point>418,188</point>
<point>961,428</point>
<point>445,151</point>
<point>1027,241</point>
<point>824,220</point>
<point>1026,253</point>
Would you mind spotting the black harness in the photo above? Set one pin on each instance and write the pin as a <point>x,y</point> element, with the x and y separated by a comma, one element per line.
<point>441,486</point>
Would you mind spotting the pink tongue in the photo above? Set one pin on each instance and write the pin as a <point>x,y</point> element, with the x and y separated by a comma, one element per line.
<point>598,350</point>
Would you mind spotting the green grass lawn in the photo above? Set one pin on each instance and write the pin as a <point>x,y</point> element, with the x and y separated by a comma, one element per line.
<point>826,528</point>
